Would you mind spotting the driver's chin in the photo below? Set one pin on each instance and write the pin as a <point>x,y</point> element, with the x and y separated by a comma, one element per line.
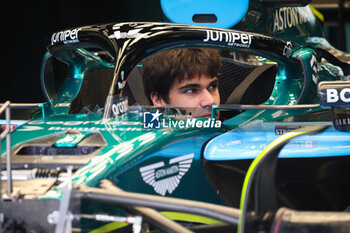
<point>208,115</point>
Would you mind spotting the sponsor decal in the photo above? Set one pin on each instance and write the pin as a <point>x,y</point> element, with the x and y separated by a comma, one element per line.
<point>282,129</point>
<point>120,107</point>
<point>92,129</point>
<point>318,40</point>
<point>341,95</point>
<point>127,35</point>
<point>313,64</point>
<point>288,17</point>
<point>13,124</point>
<point>70,123</point>
<point>287,50</point>
<point>67,36</point>
<point>100,125</point>
<point>62,105</point>
<point>165,177</point>
<point>304,144</point>
<point>335,93</point>
<point>232,38</point>
<point>122,83</point>
<point>153,120</point>
<point>83,129</point>
<point>342,121</point>
<point>4,127</point>
<point>30,128</point>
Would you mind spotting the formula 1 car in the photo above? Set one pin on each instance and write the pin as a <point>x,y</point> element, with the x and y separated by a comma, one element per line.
<point>273,157</point>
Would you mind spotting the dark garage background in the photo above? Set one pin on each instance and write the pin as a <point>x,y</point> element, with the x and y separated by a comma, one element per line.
<point>29,25</point>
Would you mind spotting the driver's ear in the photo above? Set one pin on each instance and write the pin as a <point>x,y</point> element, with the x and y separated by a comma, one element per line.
<point>157,99</point>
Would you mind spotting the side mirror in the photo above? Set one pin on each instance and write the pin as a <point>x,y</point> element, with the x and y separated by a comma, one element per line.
<point>336,94</point>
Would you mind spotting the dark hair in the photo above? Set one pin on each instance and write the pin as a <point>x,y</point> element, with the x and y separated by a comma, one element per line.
<point>162,69</point>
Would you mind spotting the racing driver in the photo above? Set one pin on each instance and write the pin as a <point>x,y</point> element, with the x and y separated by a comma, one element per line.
<point>185,78</point>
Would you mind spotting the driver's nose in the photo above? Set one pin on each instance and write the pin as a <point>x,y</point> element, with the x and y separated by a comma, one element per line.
<point>207,99</point>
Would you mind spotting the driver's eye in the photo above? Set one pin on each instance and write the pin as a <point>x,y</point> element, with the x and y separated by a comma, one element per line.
<point>213,87</point>
<point>190,91</point>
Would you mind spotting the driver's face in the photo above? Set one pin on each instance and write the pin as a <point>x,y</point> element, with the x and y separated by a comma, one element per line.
<point>196,94</point>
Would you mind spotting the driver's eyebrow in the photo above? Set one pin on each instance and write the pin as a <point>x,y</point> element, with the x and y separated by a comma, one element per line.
<point>189,86</point>
<point>196,85</point>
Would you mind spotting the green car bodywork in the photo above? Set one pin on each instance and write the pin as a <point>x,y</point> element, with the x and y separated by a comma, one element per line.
<point>100,145</point>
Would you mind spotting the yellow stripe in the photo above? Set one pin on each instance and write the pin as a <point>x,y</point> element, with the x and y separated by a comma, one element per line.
<point>318,14</point>
<point>267,149</point>
<point>109,227</point>
<point>177,216</point>
<point>189,217</point>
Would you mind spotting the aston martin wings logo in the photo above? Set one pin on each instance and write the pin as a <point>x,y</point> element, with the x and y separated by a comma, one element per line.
<point>166,177</point>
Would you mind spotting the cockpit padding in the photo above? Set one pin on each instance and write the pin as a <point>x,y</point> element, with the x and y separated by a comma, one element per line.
<point>232,73</point>
<point>96,84</point>
<point>257,91</point>
<point>93,91</point>
<point>95,88</point>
